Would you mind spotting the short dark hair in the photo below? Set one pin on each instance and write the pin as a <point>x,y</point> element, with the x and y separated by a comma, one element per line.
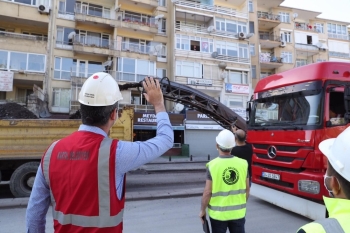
<point>241,138</point>
<point>345,185</point>
<point>96,116</point>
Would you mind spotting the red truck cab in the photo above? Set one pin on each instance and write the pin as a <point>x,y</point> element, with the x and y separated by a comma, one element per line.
<point>292,112</point>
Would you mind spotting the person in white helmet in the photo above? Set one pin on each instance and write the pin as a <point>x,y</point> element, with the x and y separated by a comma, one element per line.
<point>337,182</point>
<point>83,174</point>
<point>227,188</point>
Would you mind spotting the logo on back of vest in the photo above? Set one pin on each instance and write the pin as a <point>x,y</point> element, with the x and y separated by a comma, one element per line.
<point>230,175</point>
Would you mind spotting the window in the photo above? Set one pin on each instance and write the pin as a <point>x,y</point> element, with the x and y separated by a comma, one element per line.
<point>250,6</point>
<point>230,26</point>
<point>284,17</point>
<point>254,71</point>
<point>300,62</point>
<point>189,69</point>
<point>135,70</point>
<point>236,101</point>
<point>63,37</point>
<point>63,68</point>
<point>237,77</point>
<point>251,27</point>
<point>337,31</point>
<point>162,3</point>
<point>60,99</point>
<point>162,26</point>
<point>265,74</point>
<point>161,73</point>
<point>194,43</point>
<point>66,7</point>
<point>92,9</point>
<point>22,61</point>
<point>287,57</point>
<point>243,51</point>
<point>336,108</point>
<point>286,36</point>
<point>28,2</point>
<point>252,49</point>
<point>319,27</point>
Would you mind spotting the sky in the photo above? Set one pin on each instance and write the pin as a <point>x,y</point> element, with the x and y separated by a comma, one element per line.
<point>331,9</point>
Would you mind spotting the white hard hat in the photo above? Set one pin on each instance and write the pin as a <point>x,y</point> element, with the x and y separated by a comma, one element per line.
<point>337,150</point>
<point>226,139</point>
<point>100,89</point>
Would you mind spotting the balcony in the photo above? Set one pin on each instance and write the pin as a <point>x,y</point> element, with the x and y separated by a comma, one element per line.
<point>22,11</point>
<point>142,51</point>
<point>137,107</point>
<point>306,49</point>
<point>204,8</point>
<point>29,43</point>
<point>93,45</point>
<point>137,23</point>
<point>210,56</point>
<point>339,54</point>
<point>269,41</point>
<point>338,36</point>
<point>307,27</point>
<point>268,21</point>
<point>268,61</point>
<point>94,15</point>
<point>127,77</point>
<point>206,30</point>
<point>201,84</point>
<point>153,3</point>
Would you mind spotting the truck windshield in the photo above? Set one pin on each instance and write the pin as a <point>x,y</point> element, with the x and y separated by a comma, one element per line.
<point>291,109</point>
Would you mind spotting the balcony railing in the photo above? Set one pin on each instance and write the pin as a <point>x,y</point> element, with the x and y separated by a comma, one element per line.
<point>23,36</point>
<point>338,36</point>
<point>94,11</point>
<point>204,29</point>
<point>265,15</point>
<point>139,20</point>
<point>267,58</point>
<point>338,54</point>
<point>308,47</point>
<point>212,8</point>
<point>269,37</point>
<point>137,107</point>
<point>306,27</point>
<point>93,41</point>
<point>202,55</point>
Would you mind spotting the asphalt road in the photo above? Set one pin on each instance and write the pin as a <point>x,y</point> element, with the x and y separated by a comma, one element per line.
<point>174,216</point>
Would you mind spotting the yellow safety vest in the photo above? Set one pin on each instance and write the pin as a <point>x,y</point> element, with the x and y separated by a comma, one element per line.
<point>338,221</point>
<point>228,199</point>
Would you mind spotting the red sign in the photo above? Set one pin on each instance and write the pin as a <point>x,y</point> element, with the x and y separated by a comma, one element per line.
<point>234,88</point>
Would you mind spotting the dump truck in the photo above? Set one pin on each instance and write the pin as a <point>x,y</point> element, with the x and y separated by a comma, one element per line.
<point>23,142</point>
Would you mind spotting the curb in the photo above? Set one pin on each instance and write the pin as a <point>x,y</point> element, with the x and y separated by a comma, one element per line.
<point>129,196</point>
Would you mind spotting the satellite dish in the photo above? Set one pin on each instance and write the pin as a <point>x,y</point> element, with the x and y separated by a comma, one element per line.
<point>107,63</point>
<point>179,107</point>
<point>319,45</point>
<point>295,15</point>
<point>71,35</point>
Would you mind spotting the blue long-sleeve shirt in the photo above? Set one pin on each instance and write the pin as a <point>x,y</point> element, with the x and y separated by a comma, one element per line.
<point>129,155</point>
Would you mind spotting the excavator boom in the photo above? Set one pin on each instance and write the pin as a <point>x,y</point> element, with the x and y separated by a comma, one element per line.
<point>196,100</point>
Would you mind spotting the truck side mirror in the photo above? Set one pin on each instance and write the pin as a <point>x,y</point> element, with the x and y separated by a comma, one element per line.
<point>248,110</point>
<point>347,103</point>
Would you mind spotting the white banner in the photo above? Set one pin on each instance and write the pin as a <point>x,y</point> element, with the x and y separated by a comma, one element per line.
<point>6,81</point>
<point>207,127</point>
<point>240,111</point>
<point>234,88</point>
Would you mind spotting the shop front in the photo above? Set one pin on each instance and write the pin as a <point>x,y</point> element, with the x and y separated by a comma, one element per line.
<point>145,127</point>
<point>200,134</point>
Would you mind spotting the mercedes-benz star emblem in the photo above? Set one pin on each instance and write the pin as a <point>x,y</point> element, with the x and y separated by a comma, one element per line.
<point>272,152</point>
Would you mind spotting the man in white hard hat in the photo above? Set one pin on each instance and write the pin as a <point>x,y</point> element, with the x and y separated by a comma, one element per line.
<point>337,182</point>
<point>83,175</point>
<point>227,188</point>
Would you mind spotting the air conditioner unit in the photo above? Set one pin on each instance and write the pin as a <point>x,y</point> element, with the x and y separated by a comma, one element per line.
<point>44,9</point>
<point>214,54</point>
<point>241,35</point>
<point>283,44</point>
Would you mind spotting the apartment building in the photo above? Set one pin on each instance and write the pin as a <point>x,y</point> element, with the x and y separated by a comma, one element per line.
<point>289,37</point>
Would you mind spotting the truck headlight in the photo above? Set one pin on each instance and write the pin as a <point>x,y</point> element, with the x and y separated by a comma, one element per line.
<point>309,186</point>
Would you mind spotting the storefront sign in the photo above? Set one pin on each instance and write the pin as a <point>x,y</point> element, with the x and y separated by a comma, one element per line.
<point>151,119</point>
<point>200,82</point>
<point>234,88</point>
<point>196,116</point>
<point>6,81</point>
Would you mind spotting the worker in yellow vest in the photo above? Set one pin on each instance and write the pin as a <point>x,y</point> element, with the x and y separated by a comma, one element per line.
<point>337,182</point>
<point>227,188</point>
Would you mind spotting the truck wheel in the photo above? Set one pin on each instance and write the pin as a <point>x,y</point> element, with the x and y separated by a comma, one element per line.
<point>22,180</point>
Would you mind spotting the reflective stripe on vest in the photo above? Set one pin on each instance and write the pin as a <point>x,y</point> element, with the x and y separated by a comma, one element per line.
<point>227,208</point>
<point>104,219</point>
<point>331,225</point>
<point>232,192</point>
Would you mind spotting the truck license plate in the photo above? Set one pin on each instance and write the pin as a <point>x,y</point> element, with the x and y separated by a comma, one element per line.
<point>271,175</point>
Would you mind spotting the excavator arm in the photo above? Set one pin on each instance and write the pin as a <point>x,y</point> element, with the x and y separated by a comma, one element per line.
<point>196,100</point>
